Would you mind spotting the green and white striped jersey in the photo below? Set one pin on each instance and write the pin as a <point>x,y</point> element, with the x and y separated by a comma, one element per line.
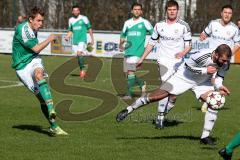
<point>79,27</point>
<point>23,41</point>
<point>135,33</point>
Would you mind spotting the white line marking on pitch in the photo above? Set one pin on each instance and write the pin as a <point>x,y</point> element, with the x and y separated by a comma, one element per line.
<point>17,84</point>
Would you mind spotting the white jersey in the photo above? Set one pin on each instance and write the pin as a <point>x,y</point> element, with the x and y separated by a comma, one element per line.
<point>172,38</point>
<point>195,67</point>
<point>193,75</point>
<point>220,34</point>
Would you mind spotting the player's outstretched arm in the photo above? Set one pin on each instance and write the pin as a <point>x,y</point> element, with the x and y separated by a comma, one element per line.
<point>121,47</point>
<point>90,31</point>
<point>39,47</point>
<point>184,52</point>
<point>147,50</point>
<point>67,37</point>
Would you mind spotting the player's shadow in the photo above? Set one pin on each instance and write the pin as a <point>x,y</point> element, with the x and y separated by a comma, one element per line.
<point>193,138</point>
<point>199,108</point>
<point>168,123</point>
<point>35,128</point>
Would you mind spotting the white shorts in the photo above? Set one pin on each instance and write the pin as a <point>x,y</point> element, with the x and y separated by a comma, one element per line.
<point>167,67</point>
<point>178,84</point>
<point>81,47</point>
<point>26,75</point>
<point>129,63</point>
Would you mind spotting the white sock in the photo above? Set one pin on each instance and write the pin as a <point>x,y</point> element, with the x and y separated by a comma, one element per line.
<point>138,103</point>
<point>209,121</point>
<point>162,105</point>
<point>170,105</point>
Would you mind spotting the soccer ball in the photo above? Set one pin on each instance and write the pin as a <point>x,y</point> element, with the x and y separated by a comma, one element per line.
<point>89,47</point>
<point>215,100</point>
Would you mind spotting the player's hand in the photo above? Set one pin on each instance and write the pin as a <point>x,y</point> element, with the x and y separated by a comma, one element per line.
<point>121,48</point>
<point>224,91</point>
<point>52,37</point>
<point>139,63</point>
<point>203,36</point>
<point>211,69</point>
<point>66,38</point>
<point>179,55</point>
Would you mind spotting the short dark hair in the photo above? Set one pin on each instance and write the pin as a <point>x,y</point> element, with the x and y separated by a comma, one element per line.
<point>136,4</point>
<point>227,6</point>
<point>224,49</point>
<point>35,11</point>
<point>171,3</point>
<point>75,6</point>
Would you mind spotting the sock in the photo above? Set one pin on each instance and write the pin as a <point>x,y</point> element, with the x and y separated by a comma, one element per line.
<point>130,84</point>
<point>139,81</point>
<point>162,108</point>
<point>204,107</point>
<point>44,109</point>
<point>209,121</point>
<point>170,104</point>
<point>45,93</point>
<point>162,105</point>
<point>233,143</point>
<point>81,62</point>
<point>161,116</point>
<point>138,103</point>
<point>52,122</point>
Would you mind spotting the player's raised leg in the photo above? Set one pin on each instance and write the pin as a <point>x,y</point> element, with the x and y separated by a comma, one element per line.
<point>149,98</point>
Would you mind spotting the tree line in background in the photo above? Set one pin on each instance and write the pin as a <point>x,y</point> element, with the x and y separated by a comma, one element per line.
<point>111,14</point>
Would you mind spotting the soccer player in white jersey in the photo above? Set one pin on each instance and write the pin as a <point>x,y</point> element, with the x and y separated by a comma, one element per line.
<point>78,27</point>
<point>29,67</point>
<point>133,36</point>
<point>222,31</point>
<point>173,38</point>
<point>195,74</point>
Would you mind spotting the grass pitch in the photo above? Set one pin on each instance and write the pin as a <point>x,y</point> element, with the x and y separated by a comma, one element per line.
<point>23,128</point>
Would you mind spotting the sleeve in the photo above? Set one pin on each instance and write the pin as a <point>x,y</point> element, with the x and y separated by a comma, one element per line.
<point>220,76</point>
<point>87,23</point>
<point>155,36</point>
<point>27,40</point>
<point>187,37</point>
<point>193,66</point>
<point>124,31</point>
<point>70,26</point>
<point>149,27</point>
<point>236,37</point>
<point>208,29</point>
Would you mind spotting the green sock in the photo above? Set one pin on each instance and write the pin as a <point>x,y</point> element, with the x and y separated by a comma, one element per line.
<point>140,82</point>
<point>233,143</point>
<point>52,122</point>
<point>45,93</point>
<point>131,83</point>
<point>81,62</point>
<point>44,109</point>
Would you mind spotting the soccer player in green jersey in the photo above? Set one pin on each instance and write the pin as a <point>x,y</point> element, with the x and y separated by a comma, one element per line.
<point>133,36</point>
<point>79,25</point>
<point>29,67</point>
<point>226,152</point>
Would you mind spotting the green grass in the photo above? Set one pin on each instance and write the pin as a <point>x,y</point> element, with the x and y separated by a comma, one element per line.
<point>23,127</point>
